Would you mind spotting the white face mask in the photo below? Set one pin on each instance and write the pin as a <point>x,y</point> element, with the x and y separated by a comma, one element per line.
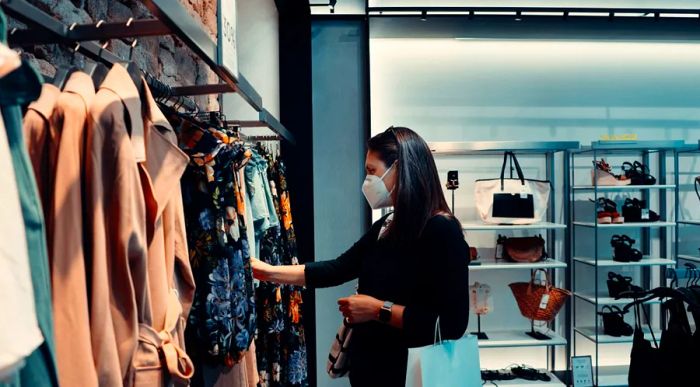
<point>375,191</point>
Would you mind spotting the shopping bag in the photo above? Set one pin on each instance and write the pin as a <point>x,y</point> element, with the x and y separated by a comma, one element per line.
<point>445,363</point>
<point>513,200</point>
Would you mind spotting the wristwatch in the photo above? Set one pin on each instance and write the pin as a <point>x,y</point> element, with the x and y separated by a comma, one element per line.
<point>385,312</point>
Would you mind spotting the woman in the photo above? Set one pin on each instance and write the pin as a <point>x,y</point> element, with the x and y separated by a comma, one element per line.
<point>411,265</point>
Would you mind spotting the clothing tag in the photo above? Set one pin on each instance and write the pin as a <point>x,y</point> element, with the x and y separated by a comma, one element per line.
<point>645,214</point>
<point>523,195</point>
<point>544,301</point>
<point>499,251</point>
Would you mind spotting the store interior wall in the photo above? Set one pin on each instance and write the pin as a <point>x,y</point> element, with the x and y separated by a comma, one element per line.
<point>463,89</point>
<point>340,130</point>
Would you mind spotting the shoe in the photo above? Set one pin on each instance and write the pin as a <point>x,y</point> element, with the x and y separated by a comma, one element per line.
<point>607,212</point>
<point>634,211</point>
<point>622,249</point>
<point>638,173</point>
<point>530,374</point>
<point>617,284</point>
<point>614,322</point>
<point>602,175</point>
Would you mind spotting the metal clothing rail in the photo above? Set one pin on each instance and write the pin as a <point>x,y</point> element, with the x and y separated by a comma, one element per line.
<point>171,19</point>
<point>265,120</point>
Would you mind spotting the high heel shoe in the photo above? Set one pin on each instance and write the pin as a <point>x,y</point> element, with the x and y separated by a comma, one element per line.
<point>622,249</point>
<point>638,173</point>
<point>607,212</point>
<point>602,175</point>
<point>617,284</point>
<point>614,322</point>
<point>634,210</point>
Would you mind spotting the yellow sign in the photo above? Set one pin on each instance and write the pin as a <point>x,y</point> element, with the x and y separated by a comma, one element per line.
<point>619,137</point>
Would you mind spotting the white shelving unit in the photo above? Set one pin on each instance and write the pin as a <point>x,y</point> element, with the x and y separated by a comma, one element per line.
<point>626,225</point>
<point>590,298</point>
<point>691,258</point>
<point>590,334</point>
<point>480,226</point>
<point>606,188</point>
<point>506,265</point>
<point>690,222</point>
<point>586,325</point>
<point>646,261</point>
<point>518,338</point>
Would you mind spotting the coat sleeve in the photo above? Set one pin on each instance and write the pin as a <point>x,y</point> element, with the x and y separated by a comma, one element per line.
<point>449,286</point>
<point>324,274</point>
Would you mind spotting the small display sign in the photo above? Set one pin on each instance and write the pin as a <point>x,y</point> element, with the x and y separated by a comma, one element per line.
<point>582,371</point>
<point>226,38</point>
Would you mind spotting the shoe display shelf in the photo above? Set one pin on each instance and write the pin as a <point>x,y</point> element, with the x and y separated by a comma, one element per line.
<point>556,336</point>
<point>688,226</point>
<point>592,254</point>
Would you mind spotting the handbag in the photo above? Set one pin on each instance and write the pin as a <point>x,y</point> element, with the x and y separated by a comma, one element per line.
<point>539,302</point>
<point>338,364</point>
<point>512,201</point>
<point>521,249</point>
<point>444,363</point>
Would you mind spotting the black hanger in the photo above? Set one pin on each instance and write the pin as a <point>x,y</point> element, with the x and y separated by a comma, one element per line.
<point>97,71</point>
<point>64,72</point>
<point>133,69</point>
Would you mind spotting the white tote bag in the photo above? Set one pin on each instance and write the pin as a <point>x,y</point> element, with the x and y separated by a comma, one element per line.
<point>513,200</point>
<point>445,363</point>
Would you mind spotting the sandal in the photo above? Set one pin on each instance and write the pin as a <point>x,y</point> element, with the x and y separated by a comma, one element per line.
<point>618,284</point>
<point>602,175</point>
<point>638,173</point>
<point>530,374</point>
<point>607,212</point>
<point>634,211</point>
<point>614,322</point>
<point>622,249</point>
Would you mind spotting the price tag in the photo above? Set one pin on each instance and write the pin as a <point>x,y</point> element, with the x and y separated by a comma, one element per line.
<point>523,195</point>
<point>544,301</point>
<point>645,214</point>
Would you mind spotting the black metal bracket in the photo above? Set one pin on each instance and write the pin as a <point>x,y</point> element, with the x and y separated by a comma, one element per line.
<point>171,19</point>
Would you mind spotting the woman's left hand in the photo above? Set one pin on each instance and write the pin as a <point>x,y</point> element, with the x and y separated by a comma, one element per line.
<point>359,308</point>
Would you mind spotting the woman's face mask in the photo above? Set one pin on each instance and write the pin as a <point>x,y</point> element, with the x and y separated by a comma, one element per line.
<point>376,192</point>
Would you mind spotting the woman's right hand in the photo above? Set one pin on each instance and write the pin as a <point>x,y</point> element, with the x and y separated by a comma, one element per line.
<point>261,270</point>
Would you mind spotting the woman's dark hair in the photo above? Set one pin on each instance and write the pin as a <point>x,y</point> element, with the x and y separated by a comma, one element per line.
<point>418,194</point>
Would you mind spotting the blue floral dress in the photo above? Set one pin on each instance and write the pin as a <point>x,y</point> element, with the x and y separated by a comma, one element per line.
<point>280,342</point>
<point>222,322</point>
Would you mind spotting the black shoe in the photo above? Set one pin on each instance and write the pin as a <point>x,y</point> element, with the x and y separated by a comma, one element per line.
<point>614,323</point>
<point>618,284</point>
<point>530,374</point>
<point>622,249</point>
<point>638,173</point>
<point>634,210</point>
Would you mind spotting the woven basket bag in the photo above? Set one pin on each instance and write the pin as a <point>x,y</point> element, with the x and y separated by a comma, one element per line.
<point>529,298</point>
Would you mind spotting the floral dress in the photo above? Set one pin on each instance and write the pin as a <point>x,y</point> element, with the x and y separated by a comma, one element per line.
<point>280,343</point>
<point>222,321</point>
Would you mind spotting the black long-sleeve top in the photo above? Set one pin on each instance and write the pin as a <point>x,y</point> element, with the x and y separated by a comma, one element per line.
<point>429,277</point>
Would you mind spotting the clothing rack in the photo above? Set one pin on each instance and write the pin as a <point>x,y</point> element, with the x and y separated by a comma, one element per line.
<point>164,93</point>
<point>171,18</point>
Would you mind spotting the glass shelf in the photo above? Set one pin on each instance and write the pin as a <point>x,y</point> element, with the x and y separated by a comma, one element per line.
<point>480,226</point>
<point>589,333</point>
<point>605,188</point>
<point>626,225</point>
<point>602,300</point>
<point>610,262</point>
<point>507,265</point>
<point>518,338</point>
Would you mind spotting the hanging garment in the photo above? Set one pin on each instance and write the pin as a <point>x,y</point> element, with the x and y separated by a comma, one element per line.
<point>116,227</point>
<point>42,144</point>
<point>258,188</point>
<point>20,334</point>
<point>67,258</point>
<point>170,278</point>
<point>281,347</point>
<point>20,87</point>
<point>222,321</point>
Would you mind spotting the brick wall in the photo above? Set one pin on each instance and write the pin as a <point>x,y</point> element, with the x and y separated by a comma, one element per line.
<point>165,57</point>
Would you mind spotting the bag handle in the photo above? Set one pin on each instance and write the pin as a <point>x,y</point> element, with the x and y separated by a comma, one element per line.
<point>547,281</point>
<point>438,334</point>
<point>514,160</point>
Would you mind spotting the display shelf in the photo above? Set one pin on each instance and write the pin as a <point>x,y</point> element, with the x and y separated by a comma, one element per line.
<point>692,258</point>
<point>506,265</point>
<point>518,338</point>
<point>498,147</point>
<point>589,333</point>
<point>604,188</point>
<point>608,300</point>
<point>690,222</point>
<point>626,225</point>
<point>479,226</point>
<point>555,382</point>
<point>647,146</point>
<point>609,262</point>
